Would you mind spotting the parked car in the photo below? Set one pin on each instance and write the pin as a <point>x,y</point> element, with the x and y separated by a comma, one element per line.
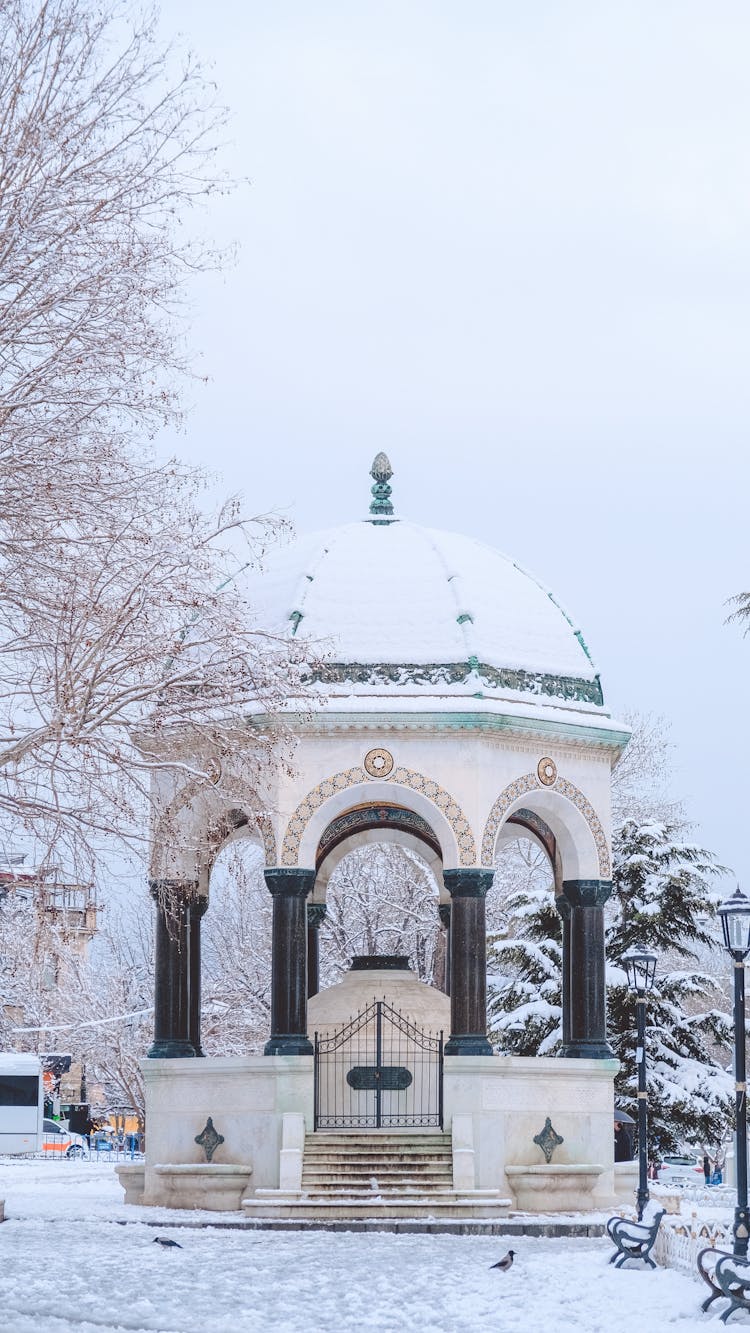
<point>57,1140</point>
<point>101,1141</point>
<point>684,1170</point>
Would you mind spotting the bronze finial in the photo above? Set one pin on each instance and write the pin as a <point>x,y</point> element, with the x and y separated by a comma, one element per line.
<point>381,473</point>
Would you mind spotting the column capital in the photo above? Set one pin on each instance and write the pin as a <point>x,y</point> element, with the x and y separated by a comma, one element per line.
<point>586,892</point>
<point>444,913</point>
<point>563,906</point>
<point>316,914</point>
<point>289,881</point>
<point>474,883</point>
<point>162,888</point>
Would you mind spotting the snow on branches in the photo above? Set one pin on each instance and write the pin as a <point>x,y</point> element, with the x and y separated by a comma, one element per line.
<point>122,623</point>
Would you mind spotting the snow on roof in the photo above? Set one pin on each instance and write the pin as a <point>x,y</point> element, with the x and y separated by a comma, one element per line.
<point>430,612</point>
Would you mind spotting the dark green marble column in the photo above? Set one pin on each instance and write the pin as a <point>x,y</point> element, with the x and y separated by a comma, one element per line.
<point>563,907</point>
<point>172,969</point>
<point>588,993</point>
<point>289,889</point>
<point>316,915</point>
<point>444,912</point>
<point>468,968</point>
<point>196,913</point>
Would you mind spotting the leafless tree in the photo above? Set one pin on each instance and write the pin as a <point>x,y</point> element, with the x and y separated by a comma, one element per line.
<point>124,636</point>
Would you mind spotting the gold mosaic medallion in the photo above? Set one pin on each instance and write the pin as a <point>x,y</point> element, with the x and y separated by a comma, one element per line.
<point>546,771</point>
<point>378,763</point>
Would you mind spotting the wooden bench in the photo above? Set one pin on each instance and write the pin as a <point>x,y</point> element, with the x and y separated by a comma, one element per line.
<point>728,1276</point>
<point>633,1240</point>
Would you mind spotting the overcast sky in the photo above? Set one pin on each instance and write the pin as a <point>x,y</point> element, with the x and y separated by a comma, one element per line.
<point>507,243</point>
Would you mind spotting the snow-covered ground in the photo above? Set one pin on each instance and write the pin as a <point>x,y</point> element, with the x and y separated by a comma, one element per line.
<point>67,1264</point>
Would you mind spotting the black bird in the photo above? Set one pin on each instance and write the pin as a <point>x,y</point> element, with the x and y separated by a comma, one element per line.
<point>505,1263</point>
<point>167,1243</point>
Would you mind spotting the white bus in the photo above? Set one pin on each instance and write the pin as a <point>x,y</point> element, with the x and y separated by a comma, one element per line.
<point>21,1103</point>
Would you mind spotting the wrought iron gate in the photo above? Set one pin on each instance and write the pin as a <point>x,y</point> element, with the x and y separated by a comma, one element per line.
<point>379,1070</point>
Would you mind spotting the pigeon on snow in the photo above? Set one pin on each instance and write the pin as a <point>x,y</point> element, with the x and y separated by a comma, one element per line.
<point>166,1243</point>
<point>505,1263</point>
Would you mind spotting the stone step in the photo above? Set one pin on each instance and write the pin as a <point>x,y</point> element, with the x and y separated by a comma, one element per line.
<point>353,1209</point>
<point>384,1172</point>
<point>345,1191</point>
<point>364,1183</point>
<point>388,1163</point>
<point>389,1149</point>
<point>377,1139</point>
<point>367,1155</point>
<point>383,1178</point>
<point>321,1170</point>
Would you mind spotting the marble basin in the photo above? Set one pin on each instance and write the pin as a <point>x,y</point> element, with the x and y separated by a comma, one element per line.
<point>554,1189</point>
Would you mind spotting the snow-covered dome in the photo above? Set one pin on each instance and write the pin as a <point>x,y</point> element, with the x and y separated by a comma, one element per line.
<point>414,615</point>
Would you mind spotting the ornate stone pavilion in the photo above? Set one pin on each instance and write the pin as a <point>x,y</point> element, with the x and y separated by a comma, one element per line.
<point>455,706</point>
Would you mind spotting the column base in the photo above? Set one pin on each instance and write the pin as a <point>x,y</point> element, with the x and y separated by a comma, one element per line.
<point>288,1043</point>
<point>582,1050</point>
<point>468,1043</point>
<point>170,1050</point>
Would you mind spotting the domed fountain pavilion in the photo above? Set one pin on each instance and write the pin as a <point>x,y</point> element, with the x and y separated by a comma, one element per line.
<point>455,705</point>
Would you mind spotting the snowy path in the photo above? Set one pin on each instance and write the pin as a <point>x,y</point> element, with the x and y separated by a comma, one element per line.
<point>89,1275</point>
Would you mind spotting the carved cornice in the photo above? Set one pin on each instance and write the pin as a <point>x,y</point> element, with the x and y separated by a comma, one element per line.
<point>497,727</point>
<point>488,677</point>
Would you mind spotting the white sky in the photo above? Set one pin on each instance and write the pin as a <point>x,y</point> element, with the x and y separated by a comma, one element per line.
<point>508,244</point>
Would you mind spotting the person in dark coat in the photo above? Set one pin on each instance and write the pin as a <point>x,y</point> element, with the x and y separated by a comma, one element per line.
<point>622,1143</point>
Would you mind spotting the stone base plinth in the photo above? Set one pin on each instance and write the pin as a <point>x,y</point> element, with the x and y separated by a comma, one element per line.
<point>262,1107</point>
<point>501,1103</point>
<point>248,1098</point>
<point>554,1189</point>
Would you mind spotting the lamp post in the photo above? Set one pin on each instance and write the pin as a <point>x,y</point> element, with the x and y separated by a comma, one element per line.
<point>640,966</point>
<point>735,924</point>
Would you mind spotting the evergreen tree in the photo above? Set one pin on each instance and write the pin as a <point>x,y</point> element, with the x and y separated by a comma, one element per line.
<point>661,898</point>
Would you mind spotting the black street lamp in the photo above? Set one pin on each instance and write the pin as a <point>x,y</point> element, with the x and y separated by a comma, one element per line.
<point>640,966</point>
<point>735,923</point>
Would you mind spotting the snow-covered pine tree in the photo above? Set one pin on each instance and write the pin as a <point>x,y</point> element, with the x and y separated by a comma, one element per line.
<point>524,994</point>
<point>663,899</point>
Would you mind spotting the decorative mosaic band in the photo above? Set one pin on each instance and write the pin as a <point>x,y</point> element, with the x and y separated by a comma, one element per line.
<point>367,817</point>
<point>351,777</point>
<point>530,782</point>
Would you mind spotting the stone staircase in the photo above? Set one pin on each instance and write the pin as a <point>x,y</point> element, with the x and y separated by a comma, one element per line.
<point>377,1175</point>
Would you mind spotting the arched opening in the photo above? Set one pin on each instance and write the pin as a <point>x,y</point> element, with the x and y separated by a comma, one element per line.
<point>377,889</point>
<point>236,949</point>
<point>524,941</point>
<point>382,899</point>
<point>554,1001</point>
